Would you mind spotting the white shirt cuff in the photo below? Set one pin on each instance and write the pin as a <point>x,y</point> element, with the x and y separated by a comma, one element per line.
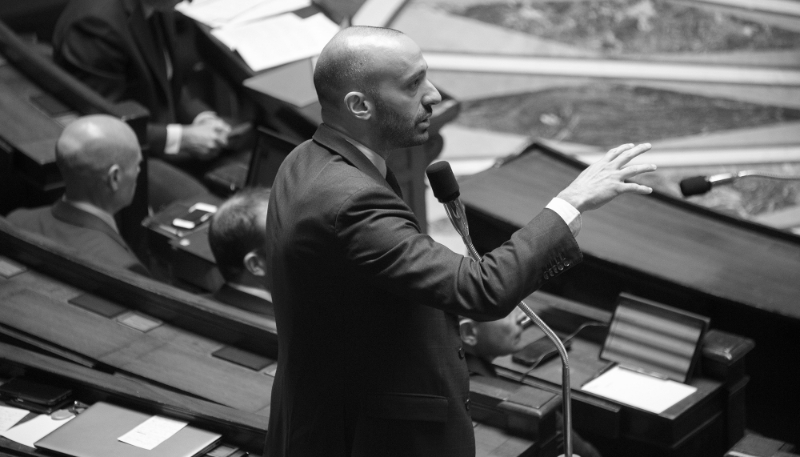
<point>567,212</point>
<point>174,134</point>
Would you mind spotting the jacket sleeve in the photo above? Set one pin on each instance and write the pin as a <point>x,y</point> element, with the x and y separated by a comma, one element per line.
<point>89,50</point>
<point>381,238</point>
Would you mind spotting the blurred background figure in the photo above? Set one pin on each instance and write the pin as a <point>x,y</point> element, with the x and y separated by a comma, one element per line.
<point>98,157</point>
<point>128,50</point>
<point>238,240</point>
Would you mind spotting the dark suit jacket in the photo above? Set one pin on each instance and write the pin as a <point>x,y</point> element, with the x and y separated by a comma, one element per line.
<point>370,359</point>
<point>109,46</point>
<point>238,299</point>
<point>80,231</point>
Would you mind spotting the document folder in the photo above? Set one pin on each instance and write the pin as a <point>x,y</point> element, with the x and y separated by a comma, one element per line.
<point>96,431</point>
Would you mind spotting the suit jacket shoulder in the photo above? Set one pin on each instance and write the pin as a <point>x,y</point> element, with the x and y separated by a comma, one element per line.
<point>80,232</point>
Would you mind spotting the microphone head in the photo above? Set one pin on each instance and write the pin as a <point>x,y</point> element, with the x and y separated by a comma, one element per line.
<point>443,182</point>
<point>695,185</point>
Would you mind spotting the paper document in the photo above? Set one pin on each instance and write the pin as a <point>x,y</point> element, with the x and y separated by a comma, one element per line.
<point>266,9</point>
<point>639,390</point>
<point>34,430</point>
<point>10,416</point>
<point>152,432</point>
<point>220,13</point>
<point>278,40</point>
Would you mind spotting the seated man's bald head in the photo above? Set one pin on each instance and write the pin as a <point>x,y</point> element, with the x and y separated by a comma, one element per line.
<point>90,148</point>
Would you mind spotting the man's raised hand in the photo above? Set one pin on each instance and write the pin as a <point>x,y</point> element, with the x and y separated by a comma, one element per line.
<point>605,179</point>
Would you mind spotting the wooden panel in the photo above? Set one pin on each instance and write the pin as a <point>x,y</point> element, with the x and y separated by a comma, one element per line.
<point>73,328</point>
<point>167,356</point>
<point>657,236</point>
<point>194,372</point>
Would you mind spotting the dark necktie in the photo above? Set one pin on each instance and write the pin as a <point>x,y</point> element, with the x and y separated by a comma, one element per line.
<point>392,180</point>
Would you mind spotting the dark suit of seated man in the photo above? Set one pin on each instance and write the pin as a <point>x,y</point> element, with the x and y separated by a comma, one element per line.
<point>128,50</point>
<point>484,341</point>
<point>98,157</point>
<point>237,236</point>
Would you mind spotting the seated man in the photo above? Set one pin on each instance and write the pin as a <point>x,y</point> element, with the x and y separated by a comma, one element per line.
<point>483,341</point>
<point>99,160</point>
<point>128,50</point>
<point>238,239</point>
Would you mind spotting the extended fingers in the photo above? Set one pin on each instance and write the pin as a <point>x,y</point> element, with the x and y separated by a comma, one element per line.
<point>633,170</point>
<point>630,153</point>
<point>614,153</point>
<point>630,187</point>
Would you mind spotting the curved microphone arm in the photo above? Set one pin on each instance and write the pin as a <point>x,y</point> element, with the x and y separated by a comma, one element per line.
<point>455,212</point>
<point>697,185</point>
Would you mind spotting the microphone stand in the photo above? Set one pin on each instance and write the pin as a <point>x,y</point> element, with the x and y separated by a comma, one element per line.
<point>456,214</point>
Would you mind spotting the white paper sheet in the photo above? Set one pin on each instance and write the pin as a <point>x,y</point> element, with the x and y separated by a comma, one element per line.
<point>34,430</point>
<point>215,12</point>
<point>10,416</point>
<point>639,390</point>
<point>266,9</point>
<point>278,40</point>
<point>220,13</point>
<point>152,432</point>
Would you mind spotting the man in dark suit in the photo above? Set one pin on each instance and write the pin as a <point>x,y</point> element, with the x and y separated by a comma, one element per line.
<point>98,157</point>
<point>127,50</point>
<point>370,360</point>
<point>238,239</point>
<point>485,341</point>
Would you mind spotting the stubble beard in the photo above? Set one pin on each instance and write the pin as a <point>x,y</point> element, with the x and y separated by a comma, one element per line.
<point>397,130</point>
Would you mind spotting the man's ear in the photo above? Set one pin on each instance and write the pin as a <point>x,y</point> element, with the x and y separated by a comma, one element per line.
<point>255,263</point>
<point>358,105</point>
<point>113,177</point>
<point>468,331</point>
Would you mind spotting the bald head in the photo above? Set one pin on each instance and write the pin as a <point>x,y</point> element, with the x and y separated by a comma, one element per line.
<point>96,154</point>
<point>352,61</point>
<point>372,84</point>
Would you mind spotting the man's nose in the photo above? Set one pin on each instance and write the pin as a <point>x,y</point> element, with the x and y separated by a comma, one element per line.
<point>432,96</point>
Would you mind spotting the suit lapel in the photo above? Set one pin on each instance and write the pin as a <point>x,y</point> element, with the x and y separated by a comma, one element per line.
<point>153,55</point>
<point>75,216</point>
<point>333,140</point>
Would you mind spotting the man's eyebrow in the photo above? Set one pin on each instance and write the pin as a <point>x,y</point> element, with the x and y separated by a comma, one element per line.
<point>421,72</point>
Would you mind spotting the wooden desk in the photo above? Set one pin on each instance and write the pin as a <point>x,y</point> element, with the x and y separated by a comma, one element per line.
<point>239,428</point>
<point>741,275</point>
<point>38,288</point>
<point>705,423</point>
<point>186,253</point>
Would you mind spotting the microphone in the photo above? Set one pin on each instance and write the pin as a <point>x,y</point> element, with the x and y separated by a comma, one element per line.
<point>445,189</point>
<point>697,185</point>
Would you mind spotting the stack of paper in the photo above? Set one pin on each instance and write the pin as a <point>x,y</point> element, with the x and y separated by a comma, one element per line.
<point>278,40</point>
<point>222,13</point>
<point>637,389</point>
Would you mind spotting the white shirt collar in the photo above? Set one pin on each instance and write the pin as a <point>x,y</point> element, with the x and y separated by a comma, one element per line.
<point>257,291</point>
<point>371,155</point>
<point>95,211</point>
